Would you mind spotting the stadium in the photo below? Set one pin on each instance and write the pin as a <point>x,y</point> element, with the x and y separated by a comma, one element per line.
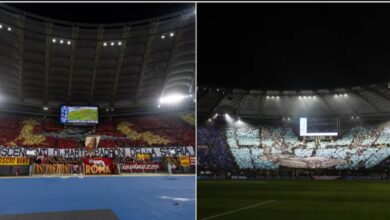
<point>97,119</point>
<point>293,123</point>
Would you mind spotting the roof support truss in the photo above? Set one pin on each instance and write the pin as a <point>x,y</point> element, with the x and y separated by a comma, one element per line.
<point>21,24</point>
<point>49,31</point>
<point>147,51</point>
<point>72,59</point>
<point>172,52</point>
<point>368,101</point>
<point>119,65</point>
<point>96,61</point>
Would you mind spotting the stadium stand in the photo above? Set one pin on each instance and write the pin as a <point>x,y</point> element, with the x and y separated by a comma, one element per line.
<point>260,129</point>
<point>265,147</point>
<point>134,132</point>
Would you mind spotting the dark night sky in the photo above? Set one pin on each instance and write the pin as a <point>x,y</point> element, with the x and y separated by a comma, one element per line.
<point>101,12</point>
<point>293,46</point>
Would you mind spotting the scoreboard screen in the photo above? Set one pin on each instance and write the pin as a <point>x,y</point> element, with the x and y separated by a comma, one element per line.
<point>81,115</point>
<point>318,126</point>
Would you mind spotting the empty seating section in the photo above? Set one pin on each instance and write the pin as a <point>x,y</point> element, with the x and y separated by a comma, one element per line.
<point>37,132</point>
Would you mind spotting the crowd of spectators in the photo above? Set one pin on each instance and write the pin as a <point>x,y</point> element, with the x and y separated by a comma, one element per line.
<point>145,131</point>
<point>262,147</point>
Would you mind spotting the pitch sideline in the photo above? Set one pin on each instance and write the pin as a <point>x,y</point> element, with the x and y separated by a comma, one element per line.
<point>238,210</point>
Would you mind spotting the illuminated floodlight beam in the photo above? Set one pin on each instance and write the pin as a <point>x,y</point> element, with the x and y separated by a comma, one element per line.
<point>172,99</point>
<point>229,119</point>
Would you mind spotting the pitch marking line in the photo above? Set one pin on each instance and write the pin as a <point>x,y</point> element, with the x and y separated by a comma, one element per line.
<point>238,210</point>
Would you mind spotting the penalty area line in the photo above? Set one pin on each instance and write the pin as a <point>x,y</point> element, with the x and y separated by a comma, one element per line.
<point>238,210</point>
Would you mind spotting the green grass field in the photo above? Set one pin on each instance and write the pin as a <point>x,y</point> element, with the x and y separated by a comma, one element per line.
<point>83,114</point>
<point>295,200</point>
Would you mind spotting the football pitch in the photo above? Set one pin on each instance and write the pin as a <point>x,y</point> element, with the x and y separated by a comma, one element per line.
<point>293,199</point>
<point>83,115</point>
<point>116,197</point>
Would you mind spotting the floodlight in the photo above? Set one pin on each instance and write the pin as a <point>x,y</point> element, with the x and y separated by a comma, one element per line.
<point>171,34</point>
<point>68,42</point>
<point>9,29</point>
<point>112,43</point>
<point>54,40</point>
<point>162,36</point>
<point>119,43</point>
<point>172,98</point>
<point>1,26</point>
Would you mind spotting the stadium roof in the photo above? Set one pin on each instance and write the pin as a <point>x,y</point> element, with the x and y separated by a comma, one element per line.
<point>47,62</point>
<point>373,100</point>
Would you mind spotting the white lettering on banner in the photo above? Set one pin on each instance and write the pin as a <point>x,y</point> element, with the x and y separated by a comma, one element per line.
<point>140,167</point>
<point>118,152</point>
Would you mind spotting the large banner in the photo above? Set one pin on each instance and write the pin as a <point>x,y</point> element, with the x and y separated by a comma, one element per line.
<point>14,161</point>
<point>140,167</point>
<point>98,166</point>
<point>55,169</point>
<point>100,152</point>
